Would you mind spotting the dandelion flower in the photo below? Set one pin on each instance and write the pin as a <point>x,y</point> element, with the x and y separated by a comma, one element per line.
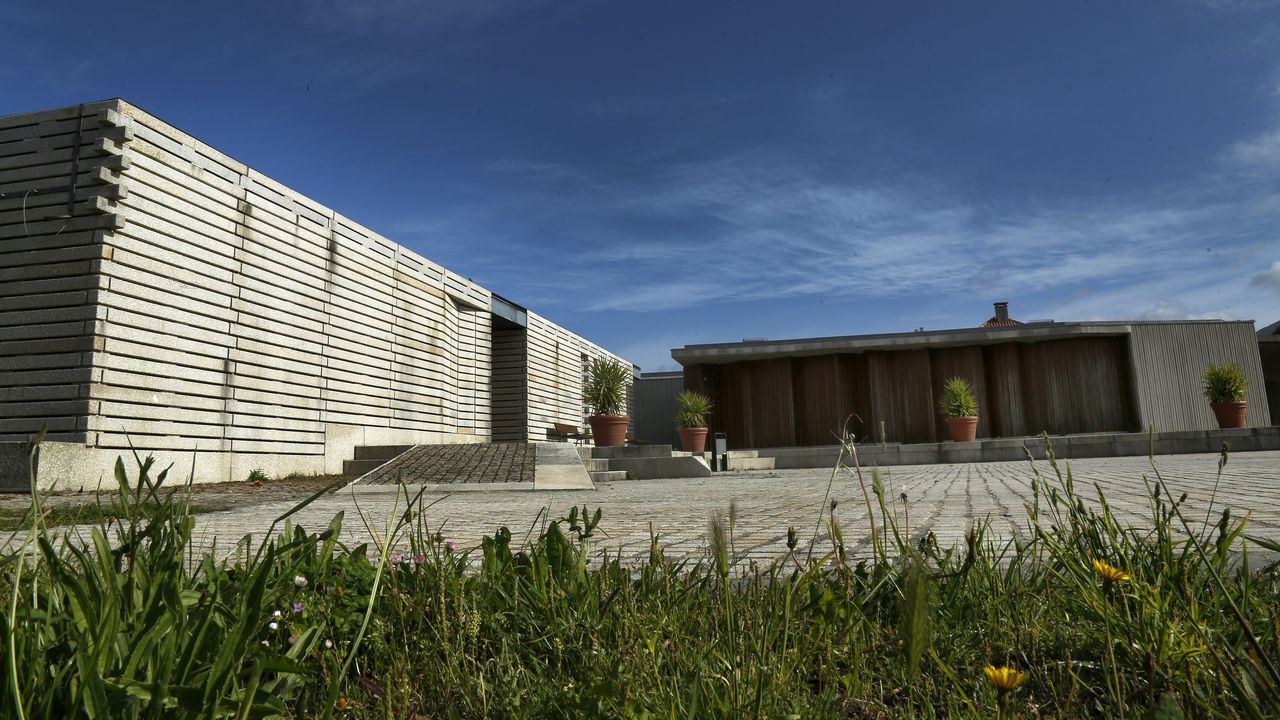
<point>342,703</point>
<point>1004,678</point>
<point>1109,573</point>
<point>299,581</point>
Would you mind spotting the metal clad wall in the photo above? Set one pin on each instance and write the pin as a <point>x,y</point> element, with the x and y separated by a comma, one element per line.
<point>49,254</point>
<point>1003,369</point>
<point>1168,359</point>
<point>508,394</point>
<point>963,362</point>
<point>1076,385</point>
<point>655,409</point>
<point>902,396</point>
<point>1058,386</point>
<point>1269,354</point>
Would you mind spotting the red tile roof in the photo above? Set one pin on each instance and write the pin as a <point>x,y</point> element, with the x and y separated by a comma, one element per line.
<point>993,322</point>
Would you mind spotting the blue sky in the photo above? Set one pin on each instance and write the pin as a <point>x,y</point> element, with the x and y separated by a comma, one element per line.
<point>661,173</point>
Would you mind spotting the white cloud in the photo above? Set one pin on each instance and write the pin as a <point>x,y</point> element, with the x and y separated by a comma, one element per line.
<point>1268,280</point>
<point>755,226</point>
<point>1261,150</point>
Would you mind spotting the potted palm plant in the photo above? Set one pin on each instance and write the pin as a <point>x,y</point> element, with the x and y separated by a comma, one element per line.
<point>692,420</point>
<point>1224,387</point>
<point>959,407</point>
<point>605,394</point>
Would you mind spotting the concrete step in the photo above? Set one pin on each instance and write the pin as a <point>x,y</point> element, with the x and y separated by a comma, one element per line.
<point>750,463</point>
<point>380,452</point>
<point>632,451</point>
<point>608,475</point>
<point>360,467</point>
<point>733,454</point>
<point>596,464</point>
<point>653,468</point>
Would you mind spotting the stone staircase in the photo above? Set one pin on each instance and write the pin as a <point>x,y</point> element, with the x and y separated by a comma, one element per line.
<point>640,462</point>
<point>649,462</point>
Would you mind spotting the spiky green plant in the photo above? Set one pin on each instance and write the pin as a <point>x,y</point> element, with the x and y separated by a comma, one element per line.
<point>1224,383</point>
<point>694,409</point>
<point>958,399</point>
<point>606,390</point>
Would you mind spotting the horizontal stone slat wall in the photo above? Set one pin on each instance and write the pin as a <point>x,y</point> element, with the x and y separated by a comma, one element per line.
<point>49,255</point>
<point>192,304</point>
<point>555,376</point>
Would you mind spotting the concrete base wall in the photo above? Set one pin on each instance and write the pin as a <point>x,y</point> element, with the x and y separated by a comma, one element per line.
<point>75,466</point>
<point>1012,449</point>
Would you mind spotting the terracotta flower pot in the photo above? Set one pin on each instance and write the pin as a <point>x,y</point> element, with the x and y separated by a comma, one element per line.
<point>1229,414</point>
<point>963,429</point>
<point>609,430</point>
<point>693,439</point>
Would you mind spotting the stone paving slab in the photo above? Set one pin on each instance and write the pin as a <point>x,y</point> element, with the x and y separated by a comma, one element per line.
<point>944,499</point>
<point>457,464</point>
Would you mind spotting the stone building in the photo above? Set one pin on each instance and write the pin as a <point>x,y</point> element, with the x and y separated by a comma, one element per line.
<point>159,295</point>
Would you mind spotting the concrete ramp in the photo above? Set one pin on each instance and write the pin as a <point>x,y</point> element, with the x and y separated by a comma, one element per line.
<point>477,466</point>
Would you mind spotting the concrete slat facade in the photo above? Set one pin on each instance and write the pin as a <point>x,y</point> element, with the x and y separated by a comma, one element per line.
<point>191,304</point>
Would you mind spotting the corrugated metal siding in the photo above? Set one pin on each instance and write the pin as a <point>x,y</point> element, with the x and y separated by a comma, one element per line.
<point>967,363</point>
<point>902,396</point>
<point>1003,369</point>
<point>1071,385</point>
<point>508,398</point>
<point>1076,386</point>
<point>655,407</point>
<point>1269,354</point>
<point>1168,359</point>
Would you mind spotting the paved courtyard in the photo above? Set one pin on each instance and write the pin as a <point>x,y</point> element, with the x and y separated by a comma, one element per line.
<point>946,499</point>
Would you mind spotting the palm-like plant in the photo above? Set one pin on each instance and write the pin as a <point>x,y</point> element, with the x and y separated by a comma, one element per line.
<point>958,399</point>
<point>694,409</point>
<point>1224,383</point>
<point>606,389</point>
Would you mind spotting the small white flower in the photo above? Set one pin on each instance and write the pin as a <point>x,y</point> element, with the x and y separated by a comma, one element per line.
<point>328,643</point>
<point>274,625</point>
<point>299,581</point>
<point>276,614</point>
<point>266,644</point>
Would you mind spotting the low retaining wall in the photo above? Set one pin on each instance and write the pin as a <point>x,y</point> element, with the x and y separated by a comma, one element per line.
<point>1006,449</point>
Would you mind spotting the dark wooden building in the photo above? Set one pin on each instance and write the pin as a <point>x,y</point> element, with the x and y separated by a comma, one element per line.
<point>1060,378</point>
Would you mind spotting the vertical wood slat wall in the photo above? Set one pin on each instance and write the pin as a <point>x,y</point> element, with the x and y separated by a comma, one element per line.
<point>202,306</point>
<point>1168,359</point>
<point>49,256</point>
<point>1058,386</point>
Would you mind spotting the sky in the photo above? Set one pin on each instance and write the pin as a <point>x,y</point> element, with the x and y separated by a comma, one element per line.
<point>656,174</point>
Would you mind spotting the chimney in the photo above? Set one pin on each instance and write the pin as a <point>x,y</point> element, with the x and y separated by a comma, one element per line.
<point>1002,312</point>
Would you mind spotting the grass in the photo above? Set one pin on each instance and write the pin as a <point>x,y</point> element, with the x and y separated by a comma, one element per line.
<point>12,519</point>
<point>1093,618</point>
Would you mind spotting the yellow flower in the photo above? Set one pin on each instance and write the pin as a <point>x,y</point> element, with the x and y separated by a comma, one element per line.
<point>1109,573</point>
<point>1004,678</point>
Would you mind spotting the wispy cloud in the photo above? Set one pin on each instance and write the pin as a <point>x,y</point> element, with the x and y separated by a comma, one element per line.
<point>754,226</point>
